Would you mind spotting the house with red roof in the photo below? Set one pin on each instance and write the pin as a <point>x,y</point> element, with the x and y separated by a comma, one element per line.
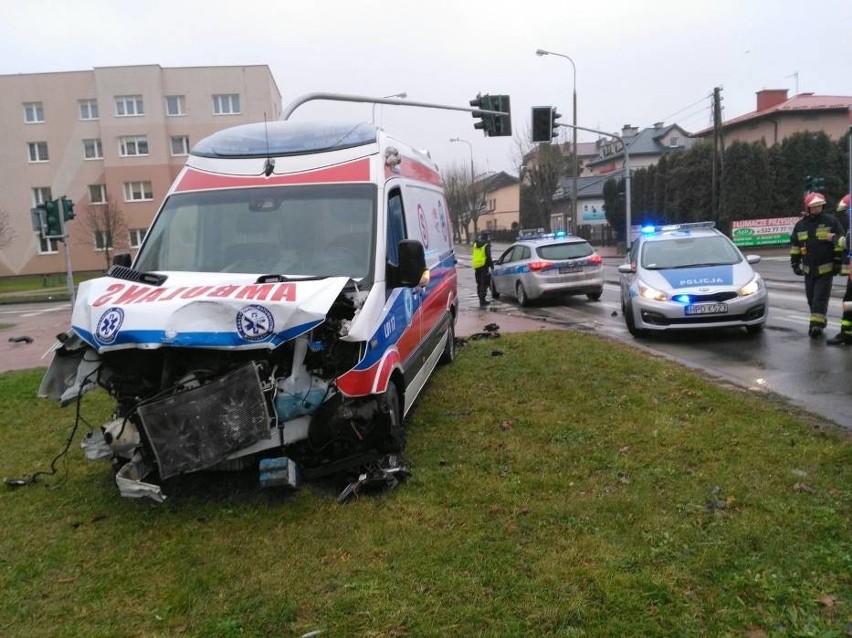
<point>778,117</point>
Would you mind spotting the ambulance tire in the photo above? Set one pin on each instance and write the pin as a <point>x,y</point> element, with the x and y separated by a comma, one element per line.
<point>449,353</point>
<point>395,439</point>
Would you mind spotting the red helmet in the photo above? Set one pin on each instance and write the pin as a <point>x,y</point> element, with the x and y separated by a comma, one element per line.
<point>814,199</point>
<point>843,204</point>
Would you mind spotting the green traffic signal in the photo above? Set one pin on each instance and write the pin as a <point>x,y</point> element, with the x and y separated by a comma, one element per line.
<point>501,124</point>
<point>67,209</point>
<point>52,220</point>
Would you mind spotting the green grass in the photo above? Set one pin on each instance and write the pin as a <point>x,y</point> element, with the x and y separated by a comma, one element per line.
<point>570,487</point>
<point>42,283</point>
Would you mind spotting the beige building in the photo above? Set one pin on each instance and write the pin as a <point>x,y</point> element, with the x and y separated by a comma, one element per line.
<point>502,196</point>
<point>109,138</point>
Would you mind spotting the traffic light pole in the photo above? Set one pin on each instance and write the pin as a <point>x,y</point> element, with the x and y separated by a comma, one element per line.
<point>69,273</point>
<point>627,210</point>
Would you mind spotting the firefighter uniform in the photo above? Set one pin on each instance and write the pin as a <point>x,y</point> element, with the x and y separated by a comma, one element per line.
<point>815,252</point>
<point>844,337</point>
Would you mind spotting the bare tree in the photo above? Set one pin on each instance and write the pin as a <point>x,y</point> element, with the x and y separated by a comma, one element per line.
<point>465,199</point>
<point>540,168</point>
<point>7,233</point>
<point>106,226</point>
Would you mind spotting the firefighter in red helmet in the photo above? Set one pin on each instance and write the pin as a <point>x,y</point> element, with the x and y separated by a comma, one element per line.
<point>816,254</point>
<point>844,337</point>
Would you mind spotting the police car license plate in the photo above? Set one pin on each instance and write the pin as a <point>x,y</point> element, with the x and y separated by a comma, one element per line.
<point>707,309</point>
<point>564,270</point>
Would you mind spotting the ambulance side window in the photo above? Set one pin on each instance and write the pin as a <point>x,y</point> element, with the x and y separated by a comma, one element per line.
<point>396,226</point>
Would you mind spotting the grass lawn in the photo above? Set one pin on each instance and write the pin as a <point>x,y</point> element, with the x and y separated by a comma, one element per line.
<point>563,485</point>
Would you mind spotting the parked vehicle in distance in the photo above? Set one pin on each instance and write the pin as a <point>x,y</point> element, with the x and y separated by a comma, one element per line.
<point>687,277</point>
<point>548,265</point>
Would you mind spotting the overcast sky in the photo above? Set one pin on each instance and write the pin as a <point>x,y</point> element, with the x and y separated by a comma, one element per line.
<point>638,61</point>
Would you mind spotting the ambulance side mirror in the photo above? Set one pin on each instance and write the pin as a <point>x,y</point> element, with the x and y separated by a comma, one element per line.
<point>412,264</point>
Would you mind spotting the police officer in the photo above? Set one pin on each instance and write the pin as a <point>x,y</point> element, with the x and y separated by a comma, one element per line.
<point>815,253</point>
<point>844,337</point>
<point>482,265</point>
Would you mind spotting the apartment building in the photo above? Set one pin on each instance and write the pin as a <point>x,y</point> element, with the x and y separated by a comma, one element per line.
<point>110,139</point>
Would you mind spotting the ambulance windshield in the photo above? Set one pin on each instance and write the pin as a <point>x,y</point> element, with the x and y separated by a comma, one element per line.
<point>316,230</point>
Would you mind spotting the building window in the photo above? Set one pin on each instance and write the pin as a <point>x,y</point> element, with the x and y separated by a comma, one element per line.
<point>132,145</point>
<point>46,246</point>
<point>180,145</point>
<point>97,194</point>
<point>175,105</point>
<point>674,141</point>
<point>41,194</point>
<point>103,240</point>
<point>135,237</point>
<point>92,149</point>
<point>38,151</point>
<point>226,104</point>
<point>138,192</point>
<point>88,109</point>
<point>33,112</point>
<point>129,105</point>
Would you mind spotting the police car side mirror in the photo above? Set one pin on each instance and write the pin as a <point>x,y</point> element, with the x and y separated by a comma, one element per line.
<point>412,264</point>
<point>753,259</point>
<point>626,269</point>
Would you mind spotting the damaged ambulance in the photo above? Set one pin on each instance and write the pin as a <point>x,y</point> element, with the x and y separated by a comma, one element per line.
<point>291,298</point>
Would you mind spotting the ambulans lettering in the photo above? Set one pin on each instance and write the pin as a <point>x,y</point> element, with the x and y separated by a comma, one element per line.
<point>125,294</point>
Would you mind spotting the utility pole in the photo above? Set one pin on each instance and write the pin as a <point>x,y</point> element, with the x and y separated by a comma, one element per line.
<point>714,190</point>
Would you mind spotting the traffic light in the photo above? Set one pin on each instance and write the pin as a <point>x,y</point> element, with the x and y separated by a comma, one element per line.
<point>67,209</point>
<point>52,220</point>
<point>554,125</point>
<point>481,102</point>
<point>814,184</point>
<point>502,124</point>
<point>543,123</point>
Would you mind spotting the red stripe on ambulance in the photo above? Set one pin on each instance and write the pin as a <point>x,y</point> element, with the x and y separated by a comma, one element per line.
<point>194,179</point>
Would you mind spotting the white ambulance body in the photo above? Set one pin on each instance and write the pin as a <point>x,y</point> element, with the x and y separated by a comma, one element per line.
<point>290,300</point>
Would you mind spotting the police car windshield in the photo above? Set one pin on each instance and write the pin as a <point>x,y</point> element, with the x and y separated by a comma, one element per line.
<point>317,230</point>
<point>689,252</point>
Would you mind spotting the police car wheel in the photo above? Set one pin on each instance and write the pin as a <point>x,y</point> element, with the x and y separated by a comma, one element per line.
<point>494,293</point>
<point>521,294</point>
<point>631,322</point>
<point>753,330</point>
<point>594,296</point>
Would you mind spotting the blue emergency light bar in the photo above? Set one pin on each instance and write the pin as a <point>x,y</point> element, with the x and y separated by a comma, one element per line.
<point>651,229</point>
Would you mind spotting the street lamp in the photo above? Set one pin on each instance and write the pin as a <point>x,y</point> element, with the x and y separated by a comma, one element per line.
<point>402,95</point>
<point>470,146</point>
<point>575,166</point>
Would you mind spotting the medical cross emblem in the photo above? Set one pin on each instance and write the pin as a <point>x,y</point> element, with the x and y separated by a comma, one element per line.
<point>109,325</point>
<point>255,323</point>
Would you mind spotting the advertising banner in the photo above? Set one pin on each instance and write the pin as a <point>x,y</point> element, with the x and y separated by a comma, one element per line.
<point>763,232</point>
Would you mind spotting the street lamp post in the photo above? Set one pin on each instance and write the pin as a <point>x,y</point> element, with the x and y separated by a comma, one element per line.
<point>402,95</point>
<point>472,174</point>
<point>575,166</point>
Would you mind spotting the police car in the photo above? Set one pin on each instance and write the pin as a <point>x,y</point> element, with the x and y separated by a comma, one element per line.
<point>546,265</point>
<point>690,276</point>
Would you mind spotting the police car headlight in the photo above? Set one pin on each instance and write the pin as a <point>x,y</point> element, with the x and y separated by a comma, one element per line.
<point>750,288</point>
<point>647,292</point>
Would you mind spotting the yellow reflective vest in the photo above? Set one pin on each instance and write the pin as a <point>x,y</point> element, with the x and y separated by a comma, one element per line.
<point>478,255</point>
